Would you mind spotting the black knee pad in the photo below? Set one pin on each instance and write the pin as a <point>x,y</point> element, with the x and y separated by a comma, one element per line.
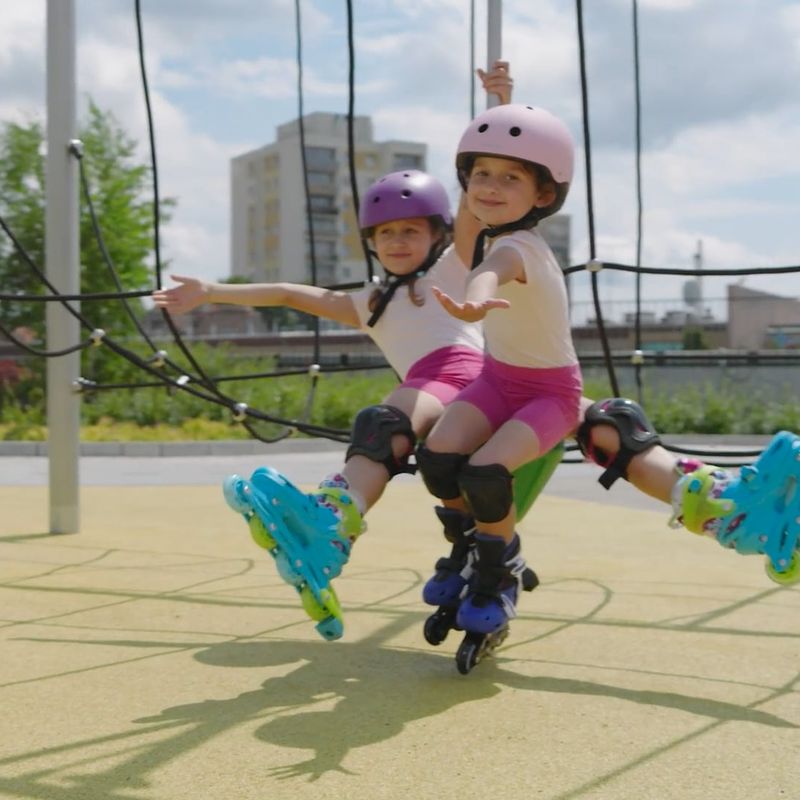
<point>636,434</point>
<point>440,472</point>
<point>488,491</point>
<point>373,429</point>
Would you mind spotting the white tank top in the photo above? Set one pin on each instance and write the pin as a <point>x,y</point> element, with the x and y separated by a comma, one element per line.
<point>406,332</point>
<point>535,331</point>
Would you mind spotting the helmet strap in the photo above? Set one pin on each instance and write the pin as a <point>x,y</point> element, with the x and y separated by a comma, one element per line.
<point>391,282</point>
<point>525,223</point>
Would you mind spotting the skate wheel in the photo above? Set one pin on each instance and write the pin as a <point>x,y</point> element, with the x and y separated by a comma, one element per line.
<point>259,533</point>
<point>468,654</point>
<point>436,629</point>
<point>287,570</point>
<point>330,628</point>
<point>312,606</point>
<point>233,488</point>
<point>323,610</point>
<point>789,576</point>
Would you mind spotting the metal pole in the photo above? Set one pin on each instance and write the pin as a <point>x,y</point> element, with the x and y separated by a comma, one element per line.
<point>62,248</point>
<point>494,40</point>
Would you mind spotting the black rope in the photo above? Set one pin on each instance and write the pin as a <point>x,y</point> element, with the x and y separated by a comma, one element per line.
<point>106,340</point>
<point>204,378</point>
<point>681,271</point>
<point>237,408</point>
<point>351,146</point>
<point>247,415</point>
<point>304,162</point>
<point>151,134</point>
<point>638,127</point>
<point>61,298</point>
<point>43,353</point>
<point>309,216</point>
<point>229,378</point>
<point>106,255</point>
<point>240,410</point>
<point>42,276</point>
<point>590,201</point>
<point>101,243</point>
<point>183,382</point>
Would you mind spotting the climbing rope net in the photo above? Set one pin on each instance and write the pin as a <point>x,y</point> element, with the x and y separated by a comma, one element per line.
<point>195,380</point>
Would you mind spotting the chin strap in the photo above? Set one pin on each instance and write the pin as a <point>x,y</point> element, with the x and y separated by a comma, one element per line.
<point>526,223</point>
<point>391,283</point>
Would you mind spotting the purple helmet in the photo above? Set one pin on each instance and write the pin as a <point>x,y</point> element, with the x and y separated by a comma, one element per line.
<point>523,133</point>
<point>402,195</point>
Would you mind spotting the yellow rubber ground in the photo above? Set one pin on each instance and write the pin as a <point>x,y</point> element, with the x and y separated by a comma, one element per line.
<point>156,655</point>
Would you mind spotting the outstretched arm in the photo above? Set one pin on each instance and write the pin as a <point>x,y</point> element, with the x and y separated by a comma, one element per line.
<point>192,292</point>
<point>500,267</point>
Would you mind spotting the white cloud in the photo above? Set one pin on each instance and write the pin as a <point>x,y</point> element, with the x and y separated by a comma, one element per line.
<point>719,80</point>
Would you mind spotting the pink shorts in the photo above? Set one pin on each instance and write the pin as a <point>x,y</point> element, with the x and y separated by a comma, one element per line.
<point>546,400</point>
<point>445,372</point>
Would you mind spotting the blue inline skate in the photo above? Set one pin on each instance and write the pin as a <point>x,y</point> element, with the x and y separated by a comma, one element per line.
<point>756,512</point>
<point>489,601</point>
<point>445,588</point>
<point>452,573</point>
<point>309,536</point>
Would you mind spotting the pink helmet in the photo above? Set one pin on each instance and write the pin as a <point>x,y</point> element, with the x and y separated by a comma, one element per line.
<point>523,133</point>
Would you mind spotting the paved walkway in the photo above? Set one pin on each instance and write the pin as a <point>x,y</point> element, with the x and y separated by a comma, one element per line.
<point>156,656</point>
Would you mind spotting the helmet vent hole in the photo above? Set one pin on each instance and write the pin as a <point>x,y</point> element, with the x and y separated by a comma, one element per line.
<point>376,199</point>
<point>405,193</point>
<point>483,128</point>
<point>515,131</point>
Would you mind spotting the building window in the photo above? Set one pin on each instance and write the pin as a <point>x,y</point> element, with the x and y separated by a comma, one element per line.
<point>316,178</point>
<point>323,250</point>
<point>407,161</point>
<point>323,224</point>
<point>321,202</point>
<point>320,158</point>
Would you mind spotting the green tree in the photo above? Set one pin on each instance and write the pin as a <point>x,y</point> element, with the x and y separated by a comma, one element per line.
<point>22,207</point>
<point>694,338</point>
<point>121,194</point>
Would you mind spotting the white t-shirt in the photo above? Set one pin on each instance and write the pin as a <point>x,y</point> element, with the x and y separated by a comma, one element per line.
<point>535,331</point>
<point>405,333</point>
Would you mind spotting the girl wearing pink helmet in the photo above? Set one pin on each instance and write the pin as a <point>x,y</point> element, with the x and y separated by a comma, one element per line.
<point>515,163</point>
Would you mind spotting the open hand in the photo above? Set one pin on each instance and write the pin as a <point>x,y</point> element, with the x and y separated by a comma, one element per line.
<point>190,293</point>
<point>469,311</point>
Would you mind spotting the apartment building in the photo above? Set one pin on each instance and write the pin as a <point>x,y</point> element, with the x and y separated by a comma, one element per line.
<point>269,228</point>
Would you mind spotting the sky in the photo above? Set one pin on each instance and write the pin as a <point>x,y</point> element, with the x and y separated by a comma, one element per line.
<point>719,102</point>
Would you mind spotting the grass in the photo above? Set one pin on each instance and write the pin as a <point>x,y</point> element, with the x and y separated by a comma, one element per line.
<point>332,400</point>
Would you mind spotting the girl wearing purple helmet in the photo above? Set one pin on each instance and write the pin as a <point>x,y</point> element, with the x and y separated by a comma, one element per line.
<point>406,219</point>
<point>515,163</point>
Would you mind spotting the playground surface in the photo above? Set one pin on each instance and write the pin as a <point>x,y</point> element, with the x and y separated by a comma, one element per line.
<point>157,656</point>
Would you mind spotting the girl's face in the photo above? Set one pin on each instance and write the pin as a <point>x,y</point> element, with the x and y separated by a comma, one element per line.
<point>501,190</point>
<point>403,244</point>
